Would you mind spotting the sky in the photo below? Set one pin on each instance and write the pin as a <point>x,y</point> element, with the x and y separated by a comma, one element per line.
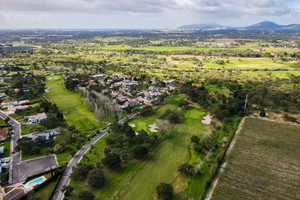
<point>143,14</point>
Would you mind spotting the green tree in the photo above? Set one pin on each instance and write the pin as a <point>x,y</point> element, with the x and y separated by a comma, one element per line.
<point>140,151</point>
<point>112,160</point>
<point>68,190</point>
<point>164,191</point>
<point>96,178</point>
<point>186,169</point>
<point>86,195</point>
<point>80,172</point>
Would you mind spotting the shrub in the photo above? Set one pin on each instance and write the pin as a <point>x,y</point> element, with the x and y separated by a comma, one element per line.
<point>96,178</point>
<point>164,191</point>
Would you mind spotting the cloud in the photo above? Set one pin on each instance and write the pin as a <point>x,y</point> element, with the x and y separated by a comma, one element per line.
<point>87,6</point>
<point>144,13</point>
<point>235,8</point>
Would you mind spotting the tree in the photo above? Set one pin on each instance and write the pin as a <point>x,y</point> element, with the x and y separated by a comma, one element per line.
<point>80,172</point>
<point>146,110</point>
<point>140,151</point>
<point>183,104</point>
<point>186,169</point>
<point>25,144</point>
<point>68,190</point>
<point>96,178</point>
<point>262,113</point>
<point>195,139</point>
<point>163,126</point>
<point>164,191</point>
<point>112,160</point>
<point>86,195</point>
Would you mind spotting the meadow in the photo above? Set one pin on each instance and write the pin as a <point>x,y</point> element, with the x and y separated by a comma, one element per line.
<point>72,106</point>
<point>139,178</point>
<point>263,164</point>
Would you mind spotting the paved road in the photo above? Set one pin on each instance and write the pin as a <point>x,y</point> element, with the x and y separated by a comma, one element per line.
<point>18,169</point>
<point>16,157</point>
<point>65,179</point>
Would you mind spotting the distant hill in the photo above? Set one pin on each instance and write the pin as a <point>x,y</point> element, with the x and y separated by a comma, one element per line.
<point>204,27</point>
<point>265,25</point>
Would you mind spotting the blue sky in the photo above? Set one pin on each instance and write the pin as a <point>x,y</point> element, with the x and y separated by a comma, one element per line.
<point>101,14</point>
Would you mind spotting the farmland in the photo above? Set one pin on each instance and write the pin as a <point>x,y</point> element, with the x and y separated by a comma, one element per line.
<point>264,163</point>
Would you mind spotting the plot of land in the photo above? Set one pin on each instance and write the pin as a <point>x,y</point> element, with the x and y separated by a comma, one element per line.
<point>72,106</point>
<point>264,163</point>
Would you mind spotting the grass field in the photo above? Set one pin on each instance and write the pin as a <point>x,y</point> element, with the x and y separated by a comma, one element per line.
<point>32,129</point>
<point>264,163</point>
<point>139,179</point>
<point>72,106</point>
<point>172,152</point>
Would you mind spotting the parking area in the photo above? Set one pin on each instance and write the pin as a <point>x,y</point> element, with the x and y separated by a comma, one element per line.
<point>34,166</point>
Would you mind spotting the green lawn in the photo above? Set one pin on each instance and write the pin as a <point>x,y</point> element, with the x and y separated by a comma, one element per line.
<point>6,149</point>
<point>32,129</point>
<point>2,122</point>
<point>72,106</point>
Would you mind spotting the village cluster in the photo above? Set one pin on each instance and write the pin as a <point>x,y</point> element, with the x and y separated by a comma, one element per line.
<point>120,88</point>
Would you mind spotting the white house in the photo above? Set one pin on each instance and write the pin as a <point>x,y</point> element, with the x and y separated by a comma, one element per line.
<point>35,119</point>
<point>45,134</point>
<point>7,103</point>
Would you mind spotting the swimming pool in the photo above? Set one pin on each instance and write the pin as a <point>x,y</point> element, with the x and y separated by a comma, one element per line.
<point>37,181</point>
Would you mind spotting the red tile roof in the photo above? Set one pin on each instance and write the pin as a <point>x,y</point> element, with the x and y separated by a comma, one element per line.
<point>3,134</point>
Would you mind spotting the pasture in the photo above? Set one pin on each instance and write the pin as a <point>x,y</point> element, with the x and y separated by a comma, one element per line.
<point>264,163</point>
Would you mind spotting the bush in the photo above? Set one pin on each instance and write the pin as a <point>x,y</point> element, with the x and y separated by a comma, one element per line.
<point>86,195</point>
<point>164,191</point>
<point>81,171</point>
<point>140,151</point>
<point>186,169</point>
<point>112,161</point>
<point>96,178</point>
<point>262,113</point>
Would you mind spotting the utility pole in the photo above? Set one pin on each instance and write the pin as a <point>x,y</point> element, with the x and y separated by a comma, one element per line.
<point>245,104</point>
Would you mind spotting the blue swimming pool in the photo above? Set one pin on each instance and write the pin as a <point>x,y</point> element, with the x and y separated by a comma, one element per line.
<point>36,181</point>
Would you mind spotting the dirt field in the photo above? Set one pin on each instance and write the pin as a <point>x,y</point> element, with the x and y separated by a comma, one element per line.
<point>264,163</point>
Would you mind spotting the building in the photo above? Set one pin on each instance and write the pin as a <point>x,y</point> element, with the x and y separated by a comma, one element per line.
<point>13,194</point>
<point>3,135</point>
<point>14,108</point>
<point>2,95</point>
<point>134,102</point>
<point>35,119</point>
<point>7,103</point>
<point>169,82</point>
<point>44,134</point>
<point>2,150</point>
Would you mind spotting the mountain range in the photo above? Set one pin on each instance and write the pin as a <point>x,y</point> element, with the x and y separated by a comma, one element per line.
<point>266,25</point>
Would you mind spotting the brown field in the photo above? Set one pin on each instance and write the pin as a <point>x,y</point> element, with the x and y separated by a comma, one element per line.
<point>264,163</point>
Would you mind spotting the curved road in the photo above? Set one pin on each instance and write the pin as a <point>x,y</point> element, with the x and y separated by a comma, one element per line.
<point>65,179</point>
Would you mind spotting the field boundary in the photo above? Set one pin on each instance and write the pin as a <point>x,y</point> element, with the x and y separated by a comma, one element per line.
<point>215,182</point>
